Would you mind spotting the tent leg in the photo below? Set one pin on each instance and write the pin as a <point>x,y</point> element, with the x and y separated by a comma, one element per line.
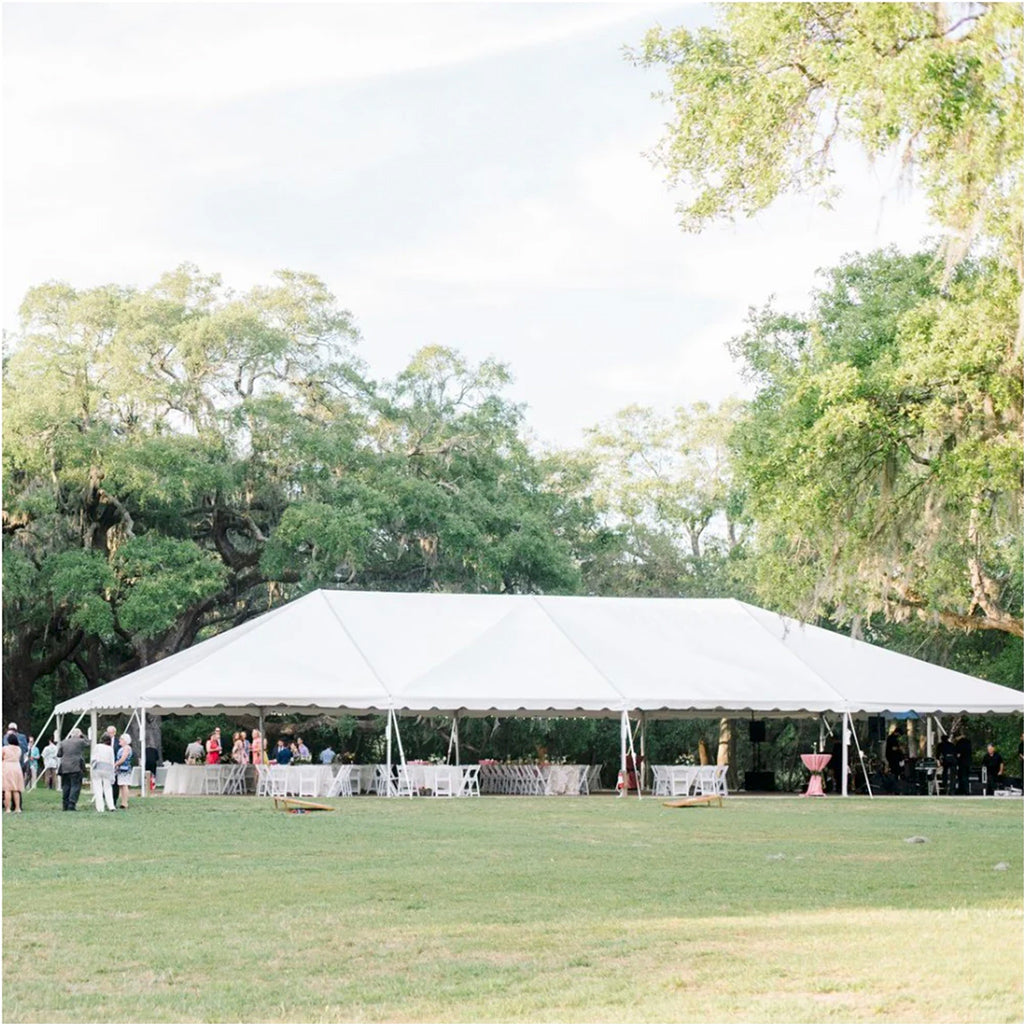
<point>846,753</point>
<point>387,780</point>
<point>60,728</point>
<point>398,738</point>
<point>860,754</point>
<point>94,733</point>
<point>642,768</point>
<point>142,751</point>
<point>623,729</point>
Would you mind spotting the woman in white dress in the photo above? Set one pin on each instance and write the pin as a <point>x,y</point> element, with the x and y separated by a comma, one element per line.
<point>101,771</point>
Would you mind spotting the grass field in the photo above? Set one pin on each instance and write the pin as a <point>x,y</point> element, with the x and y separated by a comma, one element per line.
<point>515,909</point>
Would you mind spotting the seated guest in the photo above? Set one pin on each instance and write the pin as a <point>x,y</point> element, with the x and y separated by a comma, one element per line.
<point>327,756</point>
<point>283,754</point>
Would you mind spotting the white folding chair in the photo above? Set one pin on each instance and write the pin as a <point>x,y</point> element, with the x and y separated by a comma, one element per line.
<point>721,780</point>
<point>705,784</point>
<point>309,782</point>
<point>680,778</point>
<point>382,783</point>
<point>278,780</point>
<point>341,784</point>
<point>263,780</point>
<point>406,783</point>
<point>470,780</point>
<point>211,780</point>
<point>444,782</point>
<point>233,781</point>
<point>584,781</point>
<point>593,778</point>
<point>661,780</point>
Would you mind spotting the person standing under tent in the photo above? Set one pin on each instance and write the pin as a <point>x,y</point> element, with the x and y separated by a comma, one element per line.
<point>70,765</point>
<point>894,754</point>
<point>327,755</point>
<point>123,770</point>
<point>13,776</point>
<point>238,748</point>
<point>111,734</point>
<point>246,748</point>
<point>50,765</point>
<point>257,748</point>
<point>194,752</point>
<point>962,746</point>
<point>213,748</point>
<point>993,764</point>
<point>283,754</point>
<point>101,772</point>
<point>947,758</point>
<point>33,760</point>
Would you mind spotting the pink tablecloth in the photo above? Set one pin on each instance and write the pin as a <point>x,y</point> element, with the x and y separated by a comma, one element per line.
<point>815,764</point>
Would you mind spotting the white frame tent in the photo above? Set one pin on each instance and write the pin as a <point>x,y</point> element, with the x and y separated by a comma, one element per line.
<point>509,655</point>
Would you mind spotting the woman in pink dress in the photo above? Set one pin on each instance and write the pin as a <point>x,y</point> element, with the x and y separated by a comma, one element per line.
<point>14,778</point>
<point>213,748</point>
<point>257,747</point>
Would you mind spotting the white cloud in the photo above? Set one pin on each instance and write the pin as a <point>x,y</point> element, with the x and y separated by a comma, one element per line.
<point>209,53</point>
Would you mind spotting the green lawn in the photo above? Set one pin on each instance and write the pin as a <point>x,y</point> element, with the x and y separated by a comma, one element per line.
<point>517,909</point>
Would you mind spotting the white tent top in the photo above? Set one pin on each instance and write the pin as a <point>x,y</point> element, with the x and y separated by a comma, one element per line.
<point>363,651</point>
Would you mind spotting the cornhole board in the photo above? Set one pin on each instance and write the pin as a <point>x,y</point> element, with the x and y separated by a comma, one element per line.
<point>293,806</point>
<point>694,801</point>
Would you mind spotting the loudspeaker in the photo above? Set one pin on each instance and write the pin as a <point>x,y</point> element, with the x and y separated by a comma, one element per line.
<point>757,731</point>
<point>876,729</point>
<point>759,782</point>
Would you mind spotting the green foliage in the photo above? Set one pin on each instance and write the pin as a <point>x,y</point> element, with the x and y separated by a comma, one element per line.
<point>174,455</point>
<point>760,103</point>
<point>881,456</point>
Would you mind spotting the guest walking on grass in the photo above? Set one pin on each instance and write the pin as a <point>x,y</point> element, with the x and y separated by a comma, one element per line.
<point>101,770</point>
<point>70,765</point>
<point>123,769</point>
<point>14,777</point>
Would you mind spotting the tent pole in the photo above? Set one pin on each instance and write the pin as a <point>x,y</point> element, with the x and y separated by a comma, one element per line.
<point>642,770</point>
<point>863,766</point>
<point>846,753</point>
<point>623,728</point>
<point>636,769</point>
<point>60,728</point>
<point>263,740</point>
<point>387,779</point>
<point>929,747</point>
<point>398,737</point>
<point>455,725</point>
<point>41,736</point>
<point>94,734</point>
<point>142,751</point>
<point>821,734</point>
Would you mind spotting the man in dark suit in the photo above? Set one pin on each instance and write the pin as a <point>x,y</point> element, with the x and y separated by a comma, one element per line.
<point>70,766</point>
<point>962,746</point>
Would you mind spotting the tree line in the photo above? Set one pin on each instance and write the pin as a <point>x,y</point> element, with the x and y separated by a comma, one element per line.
<point>179,458</point>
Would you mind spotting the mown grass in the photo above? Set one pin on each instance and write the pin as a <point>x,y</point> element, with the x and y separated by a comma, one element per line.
<point>515,909</point>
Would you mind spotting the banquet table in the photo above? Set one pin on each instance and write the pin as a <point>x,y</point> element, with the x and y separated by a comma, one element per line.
<point>815,764</point>
<point>197,779</point>
<point>318,778</point>
<point>424,776</point>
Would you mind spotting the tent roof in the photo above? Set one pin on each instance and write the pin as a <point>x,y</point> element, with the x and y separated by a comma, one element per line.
<point>363,651</point>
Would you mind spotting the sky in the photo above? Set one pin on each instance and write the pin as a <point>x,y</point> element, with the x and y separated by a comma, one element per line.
<point>462,174</point>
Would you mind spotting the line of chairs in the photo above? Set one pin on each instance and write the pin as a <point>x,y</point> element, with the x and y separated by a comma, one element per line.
<point>690,780</point>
